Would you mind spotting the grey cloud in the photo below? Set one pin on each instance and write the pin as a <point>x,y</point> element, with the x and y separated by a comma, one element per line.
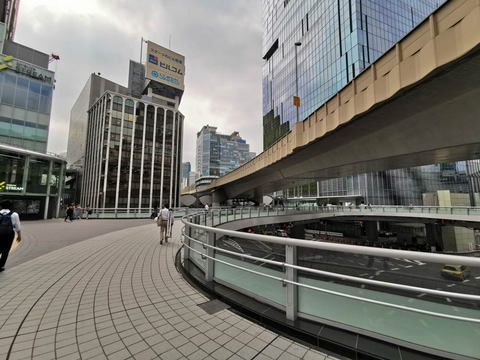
<point>221,40</point>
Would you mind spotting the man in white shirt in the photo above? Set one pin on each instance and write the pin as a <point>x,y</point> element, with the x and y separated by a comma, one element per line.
<point>9,225</point>
<point>206,207</point>
<point>162,222</point>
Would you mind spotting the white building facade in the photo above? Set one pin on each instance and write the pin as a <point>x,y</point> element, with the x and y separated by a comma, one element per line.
<point>133,152</point>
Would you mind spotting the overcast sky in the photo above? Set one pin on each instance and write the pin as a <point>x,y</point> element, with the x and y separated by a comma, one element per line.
<point>221,41</point>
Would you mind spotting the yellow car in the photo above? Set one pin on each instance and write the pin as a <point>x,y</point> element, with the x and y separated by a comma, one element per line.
<point>457,272</point>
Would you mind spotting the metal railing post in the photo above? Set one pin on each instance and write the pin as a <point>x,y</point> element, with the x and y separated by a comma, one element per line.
<point>291,289</point>
<point>210,252</point>
<point>186,249</point>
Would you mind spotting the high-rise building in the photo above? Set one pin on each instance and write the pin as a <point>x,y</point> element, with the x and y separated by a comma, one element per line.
<point>186,168</point>
<point>29,177</point>
<point>77,137</point>
<point>218,154</point>
<point>26,88</point>
<point>336,40</point>
<point>8,16</point>
<point>129,146</point>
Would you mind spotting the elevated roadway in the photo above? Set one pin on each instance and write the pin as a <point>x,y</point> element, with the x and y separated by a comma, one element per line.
<point>415,105</point>
<point>242,218</point>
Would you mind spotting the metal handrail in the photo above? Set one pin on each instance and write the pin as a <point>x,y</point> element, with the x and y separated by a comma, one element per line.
<point>344,248</point>
<point>344,277</point>
<point>377,302</point>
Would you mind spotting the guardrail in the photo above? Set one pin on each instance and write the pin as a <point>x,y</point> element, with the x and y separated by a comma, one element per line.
<point>231,213</point>
<point>418,315</point>
<point>142,213</point>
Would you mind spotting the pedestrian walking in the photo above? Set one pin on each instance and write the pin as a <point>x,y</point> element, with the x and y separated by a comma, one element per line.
<point>162,222</point>
<point>69,213</point>
<point>78,211</point>
<point>9,225</point>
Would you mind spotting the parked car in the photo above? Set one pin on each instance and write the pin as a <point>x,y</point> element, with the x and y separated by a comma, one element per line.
<point>457,272</point>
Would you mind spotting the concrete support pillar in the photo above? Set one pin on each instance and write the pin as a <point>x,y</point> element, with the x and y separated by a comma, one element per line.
<point>291,290</point>
<point>371,230</point>
<point>218,198</point>
<point>47,198</point>
<point>258,198</point>
<point>434,236</point>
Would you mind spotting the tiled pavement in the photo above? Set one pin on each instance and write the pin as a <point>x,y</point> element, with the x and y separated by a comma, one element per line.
<point>43,236</point>
<point>119,296</point>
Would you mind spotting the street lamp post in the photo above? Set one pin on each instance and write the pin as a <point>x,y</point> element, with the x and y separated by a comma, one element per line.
<point>297,44</point>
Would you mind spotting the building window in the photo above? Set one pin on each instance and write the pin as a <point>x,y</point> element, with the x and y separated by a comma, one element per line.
<point>37,176</point>
<point>11,173</point>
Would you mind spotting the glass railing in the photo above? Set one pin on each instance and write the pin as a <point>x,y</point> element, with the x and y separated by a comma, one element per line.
<point>409,297</point>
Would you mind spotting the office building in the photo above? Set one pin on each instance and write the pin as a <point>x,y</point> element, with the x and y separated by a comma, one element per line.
<point>29,177</point>
<point>131,140</point>
<point>77,136</point>
<point>218,154</point>
<point>390,187</point>
<point>26,89</point>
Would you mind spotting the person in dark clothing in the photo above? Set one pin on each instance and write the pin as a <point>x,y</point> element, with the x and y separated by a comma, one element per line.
<point>9,225</point>
<point>69,213</point>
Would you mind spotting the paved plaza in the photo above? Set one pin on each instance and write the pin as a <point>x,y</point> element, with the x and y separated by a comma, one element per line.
<point>118,295</point>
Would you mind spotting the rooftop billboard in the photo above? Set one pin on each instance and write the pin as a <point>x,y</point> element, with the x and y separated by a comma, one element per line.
<point>165,66</point>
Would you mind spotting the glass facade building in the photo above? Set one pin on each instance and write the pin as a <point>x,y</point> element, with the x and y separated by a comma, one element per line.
<point>133,153</point>
<point>33,181</point>
<point>218,154</point>
<point>339,38</point>
<point>25,105</point>
<point>395,187</point>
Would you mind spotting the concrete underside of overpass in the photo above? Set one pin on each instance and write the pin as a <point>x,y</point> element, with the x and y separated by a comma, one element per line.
<point>433,121</point>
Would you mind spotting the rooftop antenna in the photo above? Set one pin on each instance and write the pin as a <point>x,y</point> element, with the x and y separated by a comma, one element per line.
<point>141,48</point>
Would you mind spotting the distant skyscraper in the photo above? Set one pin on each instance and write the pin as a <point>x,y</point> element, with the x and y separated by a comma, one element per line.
<point>186,168</point>
<point>218,154</point>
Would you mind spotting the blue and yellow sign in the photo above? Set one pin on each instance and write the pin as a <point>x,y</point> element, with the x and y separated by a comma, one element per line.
<point>165,66</point>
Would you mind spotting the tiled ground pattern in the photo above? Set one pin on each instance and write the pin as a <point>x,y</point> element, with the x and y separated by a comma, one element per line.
<point>43,236</point>
<point>119,296</point>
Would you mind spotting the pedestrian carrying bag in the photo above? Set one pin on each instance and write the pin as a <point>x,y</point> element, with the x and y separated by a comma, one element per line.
<point>6,226</point>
